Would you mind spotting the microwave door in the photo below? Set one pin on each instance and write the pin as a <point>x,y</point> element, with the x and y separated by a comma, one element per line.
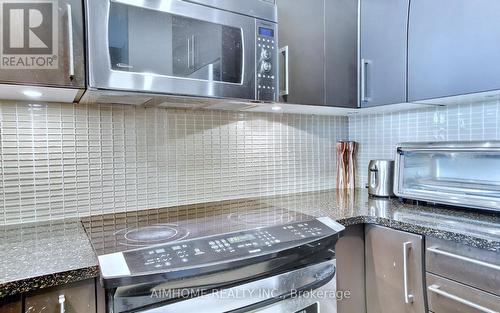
<point>170,47</point>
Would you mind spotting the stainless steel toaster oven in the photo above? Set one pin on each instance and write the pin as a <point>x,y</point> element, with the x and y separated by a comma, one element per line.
<point>463,174</point>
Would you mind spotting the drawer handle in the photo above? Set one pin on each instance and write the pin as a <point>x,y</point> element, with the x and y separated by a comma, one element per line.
<point>463,258</point>
<point>62,300</point>
<point>436,289</point>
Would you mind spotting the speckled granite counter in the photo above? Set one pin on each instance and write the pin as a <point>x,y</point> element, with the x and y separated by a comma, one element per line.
<point>47,254</point>
<point>39,255</point>
<point>476,228</point>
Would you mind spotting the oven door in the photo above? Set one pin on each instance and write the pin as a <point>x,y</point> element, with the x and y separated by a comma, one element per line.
<point>170,47</point>
<point>294,291</point>
<point>321,300</point>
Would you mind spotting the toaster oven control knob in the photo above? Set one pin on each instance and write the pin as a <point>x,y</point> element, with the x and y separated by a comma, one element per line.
<point>266,67</point>
<point>265,54</point>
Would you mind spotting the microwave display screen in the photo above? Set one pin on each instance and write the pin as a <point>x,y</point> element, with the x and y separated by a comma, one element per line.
<point>266,32</point>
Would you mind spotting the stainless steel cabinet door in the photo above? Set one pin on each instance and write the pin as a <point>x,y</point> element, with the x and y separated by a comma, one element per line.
<point>301,28</point>
<point>394,271</point>
<point>44,45</point>
<point>383,47</point>
<point>75,298</point>
<point>453,47</point>
<point>341,33</point>
<point>350,253</point>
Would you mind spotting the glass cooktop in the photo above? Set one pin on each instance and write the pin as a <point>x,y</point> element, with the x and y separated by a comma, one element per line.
<point>116,232</point>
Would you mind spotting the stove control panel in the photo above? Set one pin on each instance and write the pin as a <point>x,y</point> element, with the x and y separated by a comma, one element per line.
<point>221,248</point>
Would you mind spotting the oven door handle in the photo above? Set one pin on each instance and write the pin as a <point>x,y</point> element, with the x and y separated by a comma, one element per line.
<point>256,294</point>
<point>202,282</point>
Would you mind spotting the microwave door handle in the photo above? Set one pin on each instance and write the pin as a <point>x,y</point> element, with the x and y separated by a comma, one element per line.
<point>71,55</point>
<point>285,52</point>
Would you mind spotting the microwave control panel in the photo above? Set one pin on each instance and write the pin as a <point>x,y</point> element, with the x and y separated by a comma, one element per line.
<point>267,61</point>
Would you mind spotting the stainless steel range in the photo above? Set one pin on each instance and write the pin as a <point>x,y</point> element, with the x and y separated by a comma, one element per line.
<point>262,259</point>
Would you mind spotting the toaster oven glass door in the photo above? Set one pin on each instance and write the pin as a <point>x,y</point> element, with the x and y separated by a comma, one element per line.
<point>469,178</point>
<point>173,47</point>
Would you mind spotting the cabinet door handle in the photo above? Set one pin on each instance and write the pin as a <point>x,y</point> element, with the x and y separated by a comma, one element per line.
<point>436,250</point>
<point>71,54</point>
<point>189,52</point>
<point>62,300</point>
<point>286,91</point>
<point>364,80</point>
<point>437,290</point>
<point>191,57</point>
<point>406,250</point>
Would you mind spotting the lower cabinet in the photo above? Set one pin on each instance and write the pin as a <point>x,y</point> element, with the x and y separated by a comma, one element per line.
<point>461,278</point>
<point>449,296</point>
<point>11,305</point>
<point>350,254</point>
<point>77,297</point>
<point>394,271</point>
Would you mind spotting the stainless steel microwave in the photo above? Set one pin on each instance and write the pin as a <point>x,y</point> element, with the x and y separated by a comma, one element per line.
<point>465,174</point>
<point>200,48</point>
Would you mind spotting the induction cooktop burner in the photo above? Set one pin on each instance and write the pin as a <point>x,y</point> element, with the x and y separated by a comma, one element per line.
<point>262,217</point>
<point>151,234</point>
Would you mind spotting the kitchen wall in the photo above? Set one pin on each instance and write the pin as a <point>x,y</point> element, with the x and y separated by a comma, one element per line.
<point>63,160</point>
<point>378,134</point>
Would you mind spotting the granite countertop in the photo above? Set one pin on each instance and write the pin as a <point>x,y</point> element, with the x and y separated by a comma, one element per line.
<point>39,255</point>
<point>479,229</point>
<point>58,252</point>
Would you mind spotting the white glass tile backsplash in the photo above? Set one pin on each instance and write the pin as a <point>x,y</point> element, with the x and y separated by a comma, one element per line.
<point>62,160</point>
<point>378,134</point>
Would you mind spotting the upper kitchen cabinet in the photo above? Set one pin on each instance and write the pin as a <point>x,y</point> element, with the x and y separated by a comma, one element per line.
<point>318,45</point>
<point>453,48</point>
<point>383,46</point>
<point>301,40</point>
<point>341,69</point>
<point>43,44</point>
